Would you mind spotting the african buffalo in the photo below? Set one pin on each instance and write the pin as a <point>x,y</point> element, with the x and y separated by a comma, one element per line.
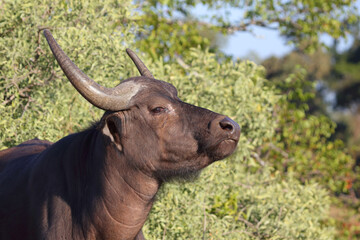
<point>101,183</point>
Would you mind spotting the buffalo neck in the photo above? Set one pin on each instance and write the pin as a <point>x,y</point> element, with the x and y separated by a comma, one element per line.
<point>127,192</point>
<point>105,193</point>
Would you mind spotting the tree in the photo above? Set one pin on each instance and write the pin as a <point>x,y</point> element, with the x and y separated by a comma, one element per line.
<point>344,80</point>
<point>171,27</point>
<point>317,67</point>
<point>308,143</point>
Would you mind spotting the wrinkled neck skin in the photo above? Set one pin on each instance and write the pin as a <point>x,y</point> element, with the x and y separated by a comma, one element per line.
<point>104,196</point>
<point>128,195</point>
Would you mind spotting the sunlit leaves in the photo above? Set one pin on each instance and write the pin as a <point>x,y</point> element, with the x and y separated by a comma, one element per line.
<point>36,100</point>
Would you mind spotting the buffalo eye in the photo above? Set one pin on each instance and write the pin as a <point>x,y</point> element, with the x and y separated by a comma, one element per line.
<point>158,110</point>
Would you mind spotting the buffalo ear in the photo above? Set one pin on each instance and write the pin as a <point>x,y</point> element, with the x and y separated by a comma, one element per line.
<point>112,129</point>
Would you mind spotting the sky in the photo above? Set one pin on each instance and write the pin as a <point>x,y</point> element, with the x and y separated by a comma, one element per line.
<point>262,43</point>
<point>265,43</point>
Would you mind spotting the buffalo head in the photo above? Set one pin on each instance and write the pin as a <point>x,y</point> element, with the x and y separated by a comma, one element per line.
<point>147,122</point>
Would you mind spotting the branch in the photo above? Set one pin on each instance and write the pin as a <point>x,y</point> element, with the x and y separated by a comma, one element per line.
<point>246,222</point>
<point>263,218</point>
<point>185,66</point>
<point>279,150</point>
<point>258,159</point>
<point>243,27</point>
<point>231,28</point>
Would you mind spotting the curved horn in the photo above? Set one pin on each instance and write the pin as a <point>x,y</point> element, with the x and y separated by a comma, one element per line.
<point>139,64</point>
<point>114,99</point>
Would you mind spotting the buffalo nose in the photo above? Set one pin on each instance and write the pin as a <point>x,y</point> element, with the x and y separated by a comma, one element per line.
<point>231,127</point>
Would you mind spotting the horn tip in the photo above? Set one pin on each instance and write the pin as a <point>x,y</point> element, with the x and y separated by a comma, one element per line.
<point>129,51</point>
<point>47,32</point>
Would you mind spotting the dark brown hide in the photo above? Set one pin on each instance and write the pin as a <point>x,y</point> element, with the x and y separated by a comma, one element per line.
<point>101,183</point>
<point>27,148</point>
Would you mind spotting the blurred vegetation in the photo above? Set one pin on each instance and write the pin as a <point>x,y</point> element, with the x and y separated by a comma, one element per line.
<point>343,80</point>
<point>330,96</point>
<point>277,184</point>
<point>302,144</point>
<point>172,27</point>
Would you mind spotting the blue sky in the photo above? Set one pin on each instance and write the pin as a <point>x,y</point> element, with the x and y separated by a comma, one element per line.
<point>263,42</point>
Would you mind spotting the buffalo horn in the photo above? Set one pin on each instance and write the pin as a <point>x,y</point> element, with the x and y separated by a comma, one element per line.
<point>139,64</point>
<point>113,99</point>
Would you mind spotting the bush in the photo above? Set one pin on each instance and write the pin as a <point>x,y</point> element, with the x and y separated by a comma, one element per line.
<point>303,144</point>
<point>37,99</point>
<point>232,199</point>
<point>237,204</point>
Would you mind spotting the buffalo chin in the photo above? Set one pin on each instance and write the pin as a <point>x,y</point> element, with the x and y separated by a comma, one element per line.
<point>222,150</point>
<point>178,175</point>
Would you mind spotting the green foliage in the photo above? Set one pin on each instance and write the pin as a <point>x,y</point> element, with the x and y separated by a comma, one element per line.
<point>302,144</point>
<point>344,80</point>
<point>317,65</point>
<point>171,27</point>
<point>239,204</point>
<point>307,143</point>
<point>170,38</point>
<point>232,199</point>
<point>303,21</point>
<point>37,100</point>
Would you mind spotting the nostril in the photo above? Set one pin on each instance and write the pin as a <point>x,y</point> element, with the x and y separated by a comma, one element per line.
<point>226,125</point>
<point>228,128</point>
